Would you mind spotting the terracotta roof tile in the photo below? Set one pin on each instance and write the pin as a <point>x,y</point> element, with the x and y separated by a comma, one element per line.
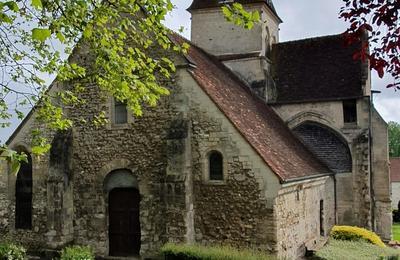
<point>395,169</point>
<point>254,119</point>
<point>316,69</point>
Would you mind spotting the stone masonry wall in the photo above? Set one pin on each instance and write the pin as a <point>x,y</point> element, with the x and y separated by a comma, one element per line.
<point>381,177</point>
<point>233,211</point>
<point>34,238</point>
<point>4,202</point>
<point>353,188</point>
<point>297,211</point>
<point>238,210</point>
<point>139,146</point>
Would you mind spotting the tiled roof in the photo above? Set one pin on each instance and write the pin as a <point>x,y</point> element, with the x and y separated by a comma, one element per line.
<point>395,169</point>
<point>263,129</point>
<point>201,4</point>
<point>316,69</point>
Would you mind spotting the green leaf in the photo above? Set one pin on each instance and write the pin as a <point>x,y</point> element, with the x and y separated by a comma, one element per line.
<point>5,18</point>
<point>37,4</point>
<point>88,31</point>
<point>40,150</point>
<point>227,12</point>
<point>20,115</point>
<point>40,34</point>
<point>256,16</point>
<point>12,5</point>
<point>60,37</point>
<point>15,165</point>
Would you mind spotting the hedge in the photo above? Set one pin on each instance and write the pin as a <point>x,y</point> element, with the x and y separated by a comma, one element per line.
<point>355,234</point>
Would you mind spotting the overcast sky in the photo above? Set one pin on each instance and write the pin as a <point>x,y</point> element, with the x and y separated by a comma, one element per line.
<point>301,19</point>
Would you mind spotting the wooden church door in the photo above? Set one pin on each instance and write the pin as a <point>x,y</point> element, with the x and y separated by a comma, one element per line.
<point>124,225</point>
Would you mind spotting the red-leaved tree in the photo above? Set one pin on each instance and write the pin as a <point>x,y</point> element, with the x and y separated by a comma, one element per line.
<point>381,19</point>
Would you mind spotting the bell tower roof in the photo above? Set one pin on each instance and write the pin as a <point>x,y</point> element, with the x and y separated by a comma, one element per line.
<point>203,4</point>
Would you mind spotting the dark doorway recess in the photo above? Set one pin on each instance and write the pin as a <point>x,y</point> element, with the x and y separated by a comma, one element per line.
<point>23,195</point>
<point>124,224</point>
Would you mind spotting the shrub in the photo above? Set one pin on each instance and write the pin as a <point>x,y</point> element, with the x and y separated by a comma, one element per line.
<point>356,233</point>
<point>196,252</point>
<point>10,251</point>
<point>77,253</point>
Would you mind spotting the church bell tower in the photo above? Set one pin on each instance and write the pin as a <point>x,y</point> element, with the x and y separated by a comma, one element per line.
<point>246,52</point>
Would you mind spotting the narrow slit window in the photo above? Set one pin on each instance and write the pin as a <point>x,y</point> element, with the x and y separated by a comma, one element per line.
<point>350,111</point>
<point>267,44</point>
<point>216,166</point>
<point>23,196</point>
<point>321,218</point>
<point>120,112</point>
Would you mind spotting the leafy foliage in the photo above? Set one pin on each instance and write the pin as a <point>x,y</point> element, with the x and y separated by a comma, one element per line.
<point>13,158</point>
<point>367,16</point>
<point>394,139</point>
<point>117,37</point>
<point>355,234</point>
<point>77,253</point>
<point>10,251</point>
<point>238,15</point>
<point>193,252</point>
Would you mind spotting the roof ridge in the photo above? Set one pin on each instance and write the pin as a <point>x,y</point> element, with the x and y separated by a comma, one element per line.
<point>314,38</point>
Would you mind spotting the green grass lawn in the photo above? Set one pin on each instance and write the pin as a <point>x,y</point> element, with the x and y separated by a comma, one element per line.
<point>396,231</point>
<point>354,250</point>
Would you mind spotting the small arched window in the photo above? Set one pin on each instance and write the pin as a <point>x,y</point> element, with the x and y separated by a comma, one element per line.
<point>23,195</point>
<point>120,112</point>
<point>216,168</point>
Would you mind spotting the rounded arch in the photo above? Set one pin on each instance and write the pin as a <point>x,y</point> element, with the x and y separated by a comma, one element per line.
<point>21,147</point>
<point>311,116</point>
<point>219,154</point>
<point>114,165</point>
<point>120,178</point>
<point>123,210</point>
<point>326,144</point>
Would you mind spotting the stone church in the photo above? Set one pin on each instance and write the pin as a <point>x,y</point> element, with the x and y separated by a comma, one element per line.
<point>262,144</point>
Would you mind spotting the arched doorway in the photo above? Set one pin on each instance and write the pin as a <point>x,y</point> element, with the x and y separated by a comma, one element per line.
<point>123,211</point>
<point>23,195</point>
